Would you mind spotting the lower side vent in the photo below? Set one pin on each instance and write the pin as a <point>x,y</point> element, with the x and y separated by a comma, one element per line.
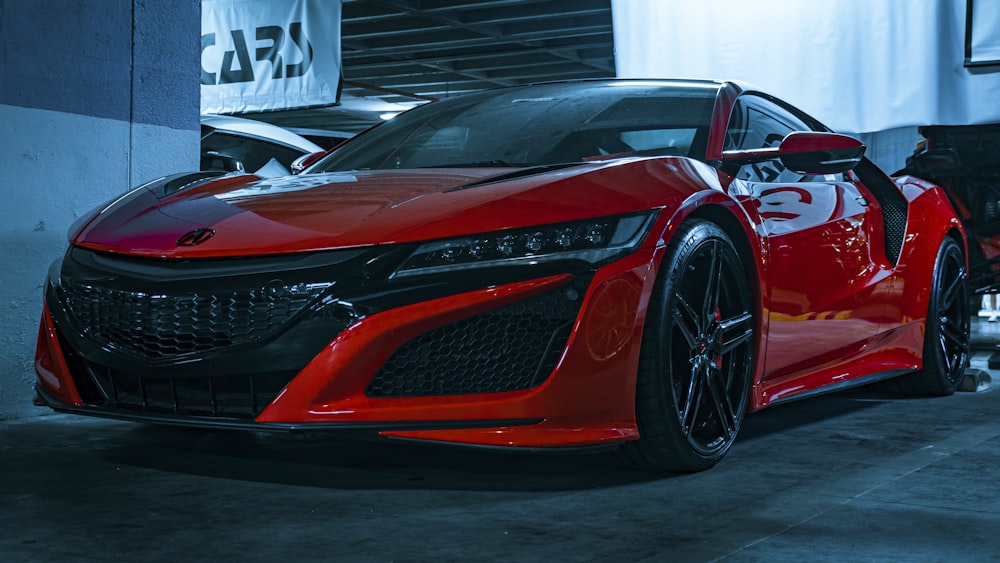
<point>505,349</point>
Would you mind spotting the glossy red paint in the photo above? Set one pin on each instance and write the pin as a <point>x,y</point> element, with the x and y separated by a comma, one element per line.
<point>854,332</point>
<point>806,142</point>
<point>257,217</point>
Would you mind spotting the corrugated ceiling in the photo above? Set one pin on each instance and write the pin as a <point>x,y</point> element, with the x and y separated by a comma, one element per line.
<point>400,52</point>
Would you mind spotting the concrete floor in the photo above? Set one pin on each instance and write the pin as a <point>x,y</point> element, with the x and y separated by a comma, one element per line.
<point>855,476</point>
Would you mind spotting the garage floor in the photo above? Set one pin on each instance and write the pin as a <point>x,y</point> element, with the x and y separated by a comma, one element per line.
<point>855,476</point>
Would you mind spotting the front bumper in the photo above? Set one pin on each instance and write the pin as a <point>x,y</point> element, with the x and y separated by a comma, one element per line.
<point>327,370</point>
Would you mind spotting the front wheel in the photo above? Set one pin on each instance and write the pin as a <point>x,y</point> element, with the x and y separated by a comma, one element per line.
<point>696,358</point>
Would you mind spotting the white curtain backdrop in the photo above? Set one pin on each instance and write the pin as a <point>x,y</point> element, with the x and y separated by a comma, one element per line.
<point>857,65</point>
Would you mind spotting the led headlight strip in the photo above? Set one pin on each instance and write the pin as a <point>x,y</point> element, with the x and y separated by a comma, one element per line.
<point>591,240</point>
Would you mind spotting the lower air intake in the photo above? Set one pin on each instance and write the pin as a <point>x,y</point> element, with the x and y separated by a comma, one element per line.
<point>506,349</point>
<point>240,397</point>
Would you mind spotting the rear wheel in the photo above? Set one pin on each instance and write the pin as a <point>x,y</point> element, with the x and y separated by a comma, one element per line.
<point>946,336</point>
<point>696,358</point>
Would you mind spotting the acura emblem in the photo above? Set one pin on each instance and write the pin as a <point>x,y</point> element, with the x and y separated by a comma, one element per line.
<point>194,237</point>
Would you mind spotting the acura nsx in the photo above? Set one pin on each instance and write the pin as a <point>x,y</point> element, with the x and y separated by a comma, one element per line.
<point>617,263</point>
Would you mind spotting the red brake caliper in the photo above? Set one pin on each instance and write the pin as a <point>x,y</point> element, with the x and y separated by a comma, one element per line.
<point>718,357</point>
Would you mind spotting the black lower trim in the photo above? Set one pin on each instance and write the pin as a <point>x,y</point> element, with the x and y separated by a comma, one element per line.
<point>529,450</point>
<point>210,422</point>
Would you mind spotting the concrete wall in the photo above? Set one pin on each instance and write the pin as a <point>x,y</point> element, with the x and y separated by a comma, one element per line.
<point>96,96</point>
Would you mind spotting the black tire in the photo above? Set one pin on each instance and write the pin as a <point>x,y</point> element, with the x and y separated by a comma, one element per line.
<point>696,358</point>
<point>946,336</point>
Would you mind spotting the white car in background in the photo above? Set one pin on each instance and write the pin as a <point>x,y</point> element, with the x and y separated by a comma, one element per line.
<point>236,144</point>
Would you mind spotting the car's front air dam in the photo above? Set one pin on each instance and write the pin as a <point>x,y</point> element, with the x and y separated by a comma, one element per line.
<point>589,397</point>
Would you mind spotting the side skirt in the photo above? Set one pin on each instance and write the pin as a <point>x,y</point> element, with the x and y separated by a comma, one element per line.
<point>847,384</point>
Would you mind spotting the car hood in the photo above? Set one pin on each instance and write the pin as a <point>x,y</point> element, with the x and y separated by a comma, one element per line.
<point>249,215</point>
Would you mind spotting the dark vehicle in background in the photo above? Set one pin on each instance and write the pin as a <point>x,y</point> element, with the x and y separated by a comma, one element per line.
<point>965,161</point>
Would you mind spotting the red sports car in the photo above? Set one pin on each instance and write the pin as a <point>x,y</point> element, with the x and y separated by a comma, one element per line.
<point>599,263</point>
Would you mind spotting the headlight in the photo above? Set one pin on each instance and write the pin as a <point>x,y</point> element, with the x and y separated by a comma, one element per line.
<point>592,240</point>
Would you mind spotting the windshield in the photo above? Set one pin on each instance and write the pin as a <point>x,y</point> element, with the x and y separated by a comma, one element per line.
<point>536,126</point>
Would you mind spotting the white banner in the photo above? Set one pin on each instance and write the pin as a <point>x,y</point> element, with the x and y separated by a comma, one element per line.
<point>259,55</point>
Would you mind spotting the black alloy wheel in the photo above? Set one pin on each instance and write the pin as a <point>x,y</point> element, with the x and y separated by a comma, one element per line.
<point>696,360</point>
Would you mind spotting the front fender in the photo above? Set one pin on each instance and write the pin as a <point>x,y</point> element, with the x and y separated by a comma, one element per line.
<point>734,211</point>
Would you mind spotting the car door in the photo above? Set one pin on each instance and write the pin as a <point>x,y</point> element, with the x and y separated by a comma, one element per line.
<point>822,304</point>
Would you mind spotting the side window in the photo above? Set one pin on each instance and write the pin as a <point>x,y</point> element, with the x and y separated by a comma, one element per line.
<point>760,123</point>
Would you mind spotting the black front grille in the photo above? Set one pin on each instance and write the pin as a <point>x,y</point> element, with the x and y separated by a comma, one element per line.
<point>164,325</point>
<point>505,349</point>
<point>230,396</point>
<point>233,396</point>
